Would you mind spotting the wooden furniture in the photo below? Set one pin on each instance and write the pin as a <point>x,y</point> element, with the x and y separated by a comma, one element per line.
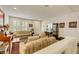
<point>56,32</point>
<point>60,38</point>
<point>15,46</point>
<point>49,33</point>
<point>5,39</point>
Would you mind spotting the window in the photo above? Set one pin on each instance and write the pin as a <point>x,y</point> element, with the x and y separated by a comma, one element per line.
<point>17,24</point>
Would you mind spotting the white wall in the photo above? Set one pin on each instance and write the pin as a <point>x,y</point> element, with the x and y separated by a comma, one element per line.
<point>36,24</point>
<point>65,32</point>
<point>6,15</point>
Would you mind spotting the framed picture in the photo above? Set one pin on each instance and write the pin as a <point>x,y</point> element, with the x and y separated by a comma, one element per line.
<point>30,25</point>
<point>73,24</point>
<point>61,25</point>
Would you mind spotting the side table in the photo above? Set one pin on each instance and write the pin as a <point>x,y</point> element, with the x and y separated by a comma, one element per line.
<point>15,46</point>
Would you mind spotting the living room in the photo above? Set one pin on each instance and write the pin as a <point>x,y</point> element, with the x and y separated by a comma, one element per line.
<point>42,26</point>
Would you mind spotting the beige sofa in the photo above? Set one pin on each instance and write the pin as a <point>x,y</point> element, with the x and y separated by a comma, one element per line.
<point>22,34</point>
<point>35,37</point>
<point>39,44</point>
<point>32,38</point>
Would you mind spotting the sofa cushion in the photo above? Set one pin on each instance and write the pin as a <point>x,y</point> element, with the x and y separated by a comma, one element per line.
<point>29,48</point>
<point>42,34</point>
<point>32,38</point>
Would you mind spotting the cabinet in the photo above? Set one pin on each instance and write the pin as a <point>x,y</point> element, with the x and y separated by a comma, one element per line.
<point>56,30</point>
<point>15,47</point>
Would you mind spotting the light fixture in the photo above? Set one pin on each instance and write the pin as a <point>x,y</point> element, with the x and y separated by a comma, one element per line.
<point>48,6</point>
<point>14,8</point>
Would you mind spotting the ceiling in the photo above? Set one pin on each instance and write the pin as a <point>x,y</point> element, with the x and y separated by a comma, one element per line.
<point>39,12</point>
